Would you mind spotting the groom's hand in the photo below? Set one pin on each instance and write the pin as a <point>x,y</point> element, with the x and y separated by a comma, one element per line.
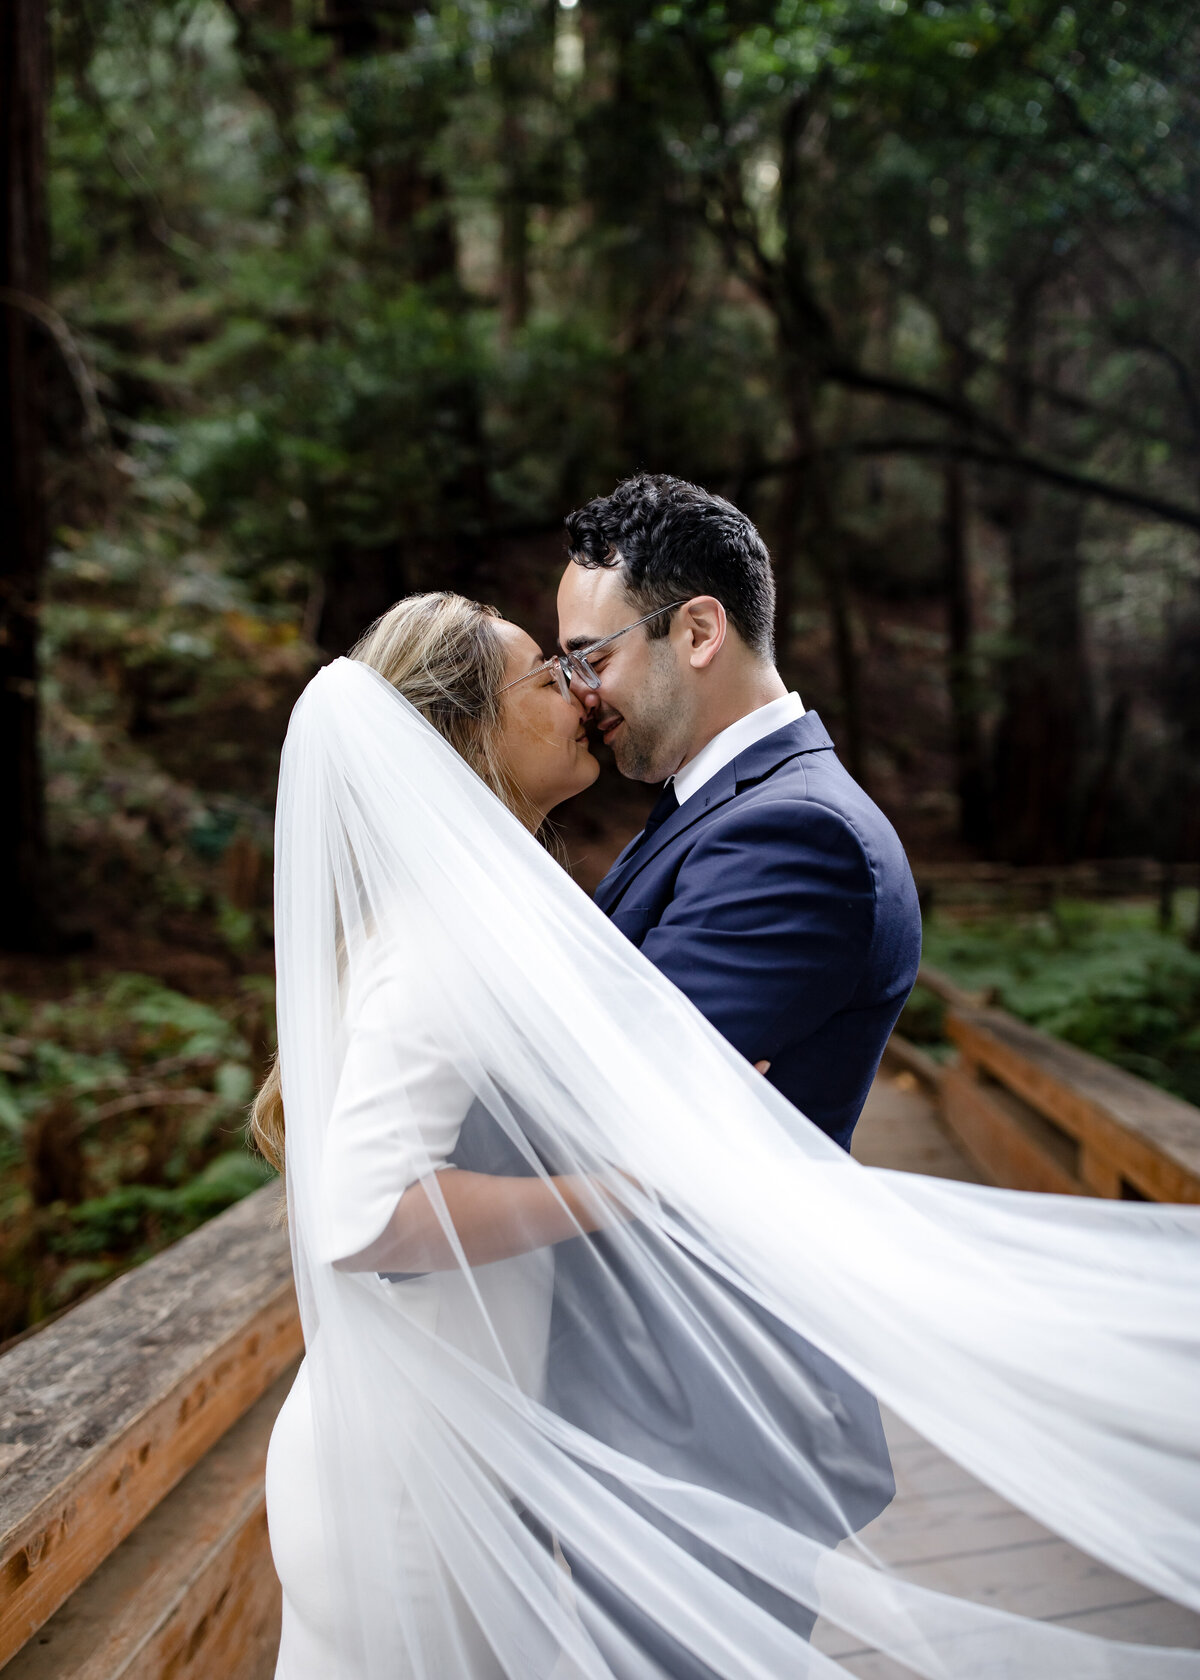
<point>762,1067</point>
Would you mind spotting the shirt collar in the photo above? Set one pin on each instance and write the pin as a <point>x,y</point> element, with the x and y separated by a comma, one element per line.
<point>726,746</point>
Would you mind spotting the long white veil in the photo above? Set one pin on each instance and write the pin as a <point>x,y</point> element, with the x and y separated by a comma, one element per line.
<point>645,1454</point>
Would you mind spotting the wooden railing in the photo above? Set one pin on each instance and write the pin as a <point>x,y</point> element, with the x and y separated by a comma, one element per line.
<point>1020,886</point>
<point>133,1430</point>
<point>133,1436</point>
<point>1034,1113</point>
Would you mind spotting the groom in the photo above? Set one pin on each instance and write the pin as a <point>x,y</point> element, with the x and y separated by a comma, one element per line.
<point>772,891</point>
<point>765,884</point>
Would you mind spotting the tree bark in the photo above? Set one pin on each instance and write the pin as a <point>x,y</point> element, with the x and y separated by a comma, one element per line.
<point>1100,794</point>
<point>268,75</point>
<point>415,243</point>
<point>514,238</point>
<point>24,266</point>
<point>970,769</point>
<point>410,201</point>
<point>514,76</point>
<point>1045,732</point>
<point>811,512</point>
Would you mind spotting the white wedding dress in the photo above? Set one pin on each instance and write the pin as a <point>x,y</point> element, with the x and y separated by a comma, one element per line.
<point>646,1455</point>
<point>398,1113</point>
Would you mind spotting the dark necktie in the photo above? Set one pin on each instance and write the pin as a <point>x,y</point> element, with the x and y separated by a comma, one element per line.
<point>664,806</point>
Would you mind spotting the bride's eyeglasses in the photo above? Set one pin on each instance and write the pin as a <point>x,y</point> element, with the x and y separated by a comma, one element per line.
<point>567,666</point>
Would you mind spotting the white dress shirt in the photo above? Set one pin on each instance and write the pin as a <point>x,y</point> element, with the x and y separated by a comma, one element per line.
<point>725,747</point>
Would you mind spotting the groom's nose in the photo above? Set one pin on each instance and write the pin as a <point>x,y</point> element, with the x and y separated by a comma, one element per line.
<point>588,698</point>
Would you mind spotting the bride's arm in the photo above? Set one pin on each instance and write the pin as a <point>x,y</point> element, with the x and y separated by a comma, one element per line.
<point>482,1217</point>
<point>394,1204</point>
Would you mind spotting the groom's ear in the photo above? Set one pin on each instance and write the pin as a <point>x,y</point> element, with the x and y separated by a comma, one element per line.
<point>702,621</point>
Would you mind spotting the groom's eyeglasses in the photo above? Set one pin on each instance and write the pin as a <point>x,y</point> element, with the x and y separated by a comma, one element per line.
<point>567,666</point>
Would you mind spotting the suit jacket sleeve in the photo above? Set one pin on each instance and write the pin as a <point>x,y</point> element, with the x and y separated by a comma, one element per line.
<point>771,923</point>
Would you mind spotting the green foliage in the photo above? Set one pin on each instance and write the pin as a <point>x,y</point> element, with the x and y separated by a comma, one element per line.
<point>1101,976</point>
<point>126,1033</point>
<point>138,1219</point>
<point>371,296</point>
<point>169,686</point>
<point>346,431</point>
<point>121,1109</point>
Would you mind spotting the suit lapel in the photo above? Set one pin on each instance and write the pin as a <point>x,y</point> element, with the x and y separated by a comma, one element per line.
<point>604,892</point>
<point>806,734</point>
<point>639,851</point>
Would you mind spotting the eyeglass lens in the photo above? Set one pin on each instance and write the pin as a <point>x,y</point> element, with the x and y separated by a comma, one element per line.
<point>577,666</point>
<point>574,666</point>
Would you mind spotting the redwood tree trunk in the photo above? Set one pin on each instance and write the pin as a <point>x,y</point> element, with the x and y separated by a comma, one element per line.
<point>1045,732</point>
<point>24,262</point>
<point>811,510</point>
<point>970,768</point>
<point>415,243</point>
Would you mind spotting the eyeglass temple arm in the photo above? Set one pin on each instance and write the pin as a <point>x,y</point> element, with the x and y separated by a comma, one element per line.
<point>582,653</point>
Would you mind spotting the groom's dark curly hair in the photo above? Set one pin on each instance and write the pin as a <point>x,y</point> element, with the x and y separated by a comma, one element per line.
<point>672,540</point>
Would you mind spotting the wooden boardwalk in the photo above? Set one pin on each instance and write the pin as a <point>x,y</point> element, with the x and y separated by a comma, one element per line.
<point>946,1530</point>
<point>134,1430</point>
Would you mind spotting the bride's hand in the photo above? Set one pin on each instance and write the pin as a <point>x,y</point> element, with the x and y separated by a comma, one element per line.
<point>613,1193</point>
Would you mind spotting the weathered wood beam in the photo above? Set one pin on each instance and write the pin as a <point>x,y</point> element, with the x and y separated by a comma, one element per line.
<point>1127,1129</point>
<point>192,1592</point>
<point>1001,1136</point>
<point>948,990</point>
<point>902,1056</point>
<point>102,1413</point>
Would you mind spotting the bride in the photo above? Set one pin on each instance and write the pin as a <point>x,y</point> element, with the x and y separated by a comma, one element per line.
<point>593,1318</point>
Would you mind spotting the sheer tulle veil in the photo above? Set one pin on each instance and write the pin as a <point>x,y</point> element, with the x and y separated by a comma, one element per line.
<point>653,1448</point>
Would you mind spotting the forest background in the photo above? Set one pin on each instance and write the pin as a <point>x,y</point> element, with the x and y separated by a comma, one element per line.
<point>306,304</point>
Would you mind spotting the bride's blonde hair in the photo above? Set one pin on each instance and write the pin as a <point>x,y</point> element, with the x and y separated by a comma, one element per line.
<point>442,652</point>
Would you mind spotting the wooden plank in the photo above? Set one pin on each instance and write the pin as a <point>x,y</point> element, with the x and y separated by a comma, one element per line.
<point>1020,884</point>
<point>900,1055</point>
<point>943,1518</point>
<point>901,1128</point>
<point>119,1398</point>
<point>1046,1581</point>
<point>911,1532</point>
<point>899,1434</point>
<point>999,1138</point>
<point>948,990</point>
<point>192,1592</point>
<point>1043,1579</point>
<point>867,1665</point>
<point>1145,1621</point>
<point>1149,1136</point>
<point>928,1474</point>
<point>1098,1174</point>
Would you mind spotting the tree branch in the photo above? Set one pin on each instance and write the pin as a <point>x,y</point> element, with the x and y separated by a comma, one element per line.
<point>1011,460</point>
<point>1070,402</point>
<point>926,396</point>
<point>1179,369</point>
<point>96,428</point>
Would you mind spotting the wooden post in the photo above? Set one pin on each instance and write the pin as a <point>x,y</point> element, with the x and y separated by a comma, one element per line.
<point>1098,1173</point>
<point>1121,1130</point>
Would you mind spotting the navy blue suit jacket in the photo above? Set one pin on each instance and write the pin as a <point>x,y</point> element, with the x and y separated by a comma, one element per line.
<point>780,900</point>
